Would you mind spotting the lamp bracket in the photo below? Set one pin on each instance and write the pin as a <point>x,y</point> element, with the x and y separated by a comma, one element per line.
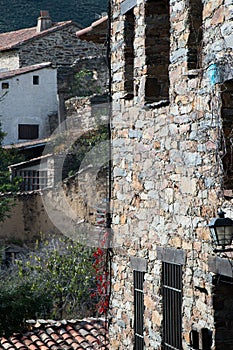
<point>223,250</point>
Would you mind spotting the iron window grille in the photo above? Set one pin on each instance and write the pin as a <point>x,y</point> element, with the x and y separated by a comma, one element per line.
<point>172,306</point>
<point>32,179</point>
<point>138,310</point>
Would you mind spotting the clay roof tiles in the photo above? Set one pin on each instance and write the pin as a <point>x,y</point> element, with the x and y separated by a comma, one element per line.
<point>12,40</point>
<point>96,32</point>
<point>88,334</point>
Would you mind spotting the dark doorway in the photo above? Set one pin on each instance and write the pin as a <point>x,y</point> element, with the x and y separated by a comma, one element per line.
<point>223,312</point>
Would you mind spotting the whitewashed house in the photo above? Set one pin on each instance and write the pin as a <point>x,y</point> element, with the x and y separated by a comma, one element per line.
<point>28,97</point>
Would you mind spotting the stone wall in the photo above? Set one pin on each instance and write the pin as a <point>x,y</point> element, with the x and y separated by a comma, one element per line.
<point>27,220</point>
<point>40,212</point>
<point>167,170</point>
<point>87,76</point>
<point>9,60</point>
<point>84,114</point>
<point>61,47</point>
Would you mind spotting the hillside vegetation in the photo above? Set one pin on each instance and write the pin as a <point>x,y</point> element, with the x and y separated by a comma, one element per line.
<point>17,14</point>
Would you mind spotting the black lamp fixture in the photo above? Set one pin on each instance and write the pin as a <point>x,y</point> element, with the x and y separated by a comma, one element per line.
<point>221,230</point>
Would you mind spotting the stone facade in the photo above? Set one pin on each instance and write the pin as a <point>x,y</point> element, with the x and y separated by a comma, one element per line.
<point>168,148</point>
<point>60,46</point>
<point>86,77</point>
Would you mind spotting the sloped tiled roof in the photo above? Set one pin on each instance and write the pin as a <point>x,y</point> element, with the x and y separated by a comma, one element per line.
<point>88,334</point>
<point>12,40</point>
<point>12,73</point>
<point>96,32</point>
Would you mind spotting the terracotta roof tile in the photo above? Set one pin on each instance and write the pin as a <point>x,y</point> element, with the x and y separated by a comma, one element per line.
<point>12,40</point>
<point>96,32</point>
<point>89,334</point>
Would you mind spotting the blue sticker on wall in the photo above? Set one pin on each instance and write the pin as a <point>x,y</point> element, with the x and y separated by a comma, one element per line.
<point>213,74</point>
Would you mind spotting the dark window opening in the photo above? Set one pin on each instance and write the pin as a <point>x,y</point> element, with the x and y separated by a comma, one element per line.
<point>138,310</point>
<point>194,339</point>
<point>28,132</point>
<point>201,339</point>
<point>223,312</point>
<point>129,28</point>
<point>172,306</point>
<point>227,139</point>
<point>157,44</point>
<point>195,35</point>
<point>35,79</point>
<point>5,86</point>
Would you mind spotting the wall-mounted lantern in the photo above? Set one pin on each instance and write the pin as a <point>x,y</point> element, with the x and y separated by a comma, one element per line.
<point>221,230</point>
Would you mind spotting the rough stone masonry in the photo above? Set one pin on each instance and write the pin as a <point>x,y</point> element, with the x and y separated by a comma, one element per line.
<point>172,104</point>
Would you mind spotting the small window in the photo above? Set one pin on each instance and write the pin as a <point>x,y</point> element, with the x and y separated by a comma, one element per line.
<point>195,35</point>
<point>129,28</point>
<point>28,131</point>
<point>138,310</point>
<point>157,50</point>
<point>5,86</point>
<point>35,79</point>
<point>227,137</point>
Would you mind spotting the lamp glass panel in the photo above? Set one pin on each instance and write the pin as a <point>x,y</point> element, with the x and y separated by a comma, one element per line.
<point>224,234</point>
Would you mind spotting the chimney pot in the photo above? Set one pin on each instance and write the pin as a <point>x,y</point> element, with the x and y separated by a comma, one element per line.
<point>44,21</point>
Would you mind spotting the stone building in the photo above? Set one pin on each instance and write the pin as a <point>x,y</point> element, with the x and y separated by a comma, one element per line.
<point>48,41</point>
<point>172,86</point>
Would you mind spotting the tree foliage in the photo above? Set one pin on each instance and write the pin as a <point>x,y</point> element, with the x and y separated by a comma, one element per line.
<point>55,281</point>
<point>7,157</point>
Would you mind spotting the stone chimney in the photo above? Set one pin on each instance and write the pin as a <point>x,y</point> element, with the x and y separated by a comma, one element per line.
<point>44,21</point>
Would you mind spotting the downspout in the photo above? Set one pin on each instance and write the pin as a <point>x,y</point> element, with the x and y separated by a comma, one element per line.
<point>109,254</point>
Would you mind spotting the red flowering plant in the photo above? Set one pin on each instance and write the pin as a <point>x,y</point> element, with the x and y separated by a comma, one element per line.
<point>102,276</point>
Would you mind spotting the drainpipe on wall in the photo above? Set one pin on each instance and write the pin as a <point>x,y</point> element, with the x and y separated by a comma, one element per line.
<point>109,217</point>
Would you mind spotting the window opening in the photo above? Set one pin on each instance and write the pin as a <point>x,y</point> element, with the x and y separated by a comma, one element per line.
<point>129,33</point>
<point>223,312</point>
<point>138,310</point>
<point>195,35</point>
<point>227,140</point>
<point>5,86</point>
<point>201,339</point>
<point>157,49</point>
<point>28,131</point>
<point>35,79</point>
<point>172,306</point>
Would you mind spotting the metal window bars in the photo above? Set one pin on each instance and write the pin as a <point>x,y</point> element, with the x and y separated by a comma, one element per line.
<point>138,310</point>
<point>172,306</point>
<point>33,179</point>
